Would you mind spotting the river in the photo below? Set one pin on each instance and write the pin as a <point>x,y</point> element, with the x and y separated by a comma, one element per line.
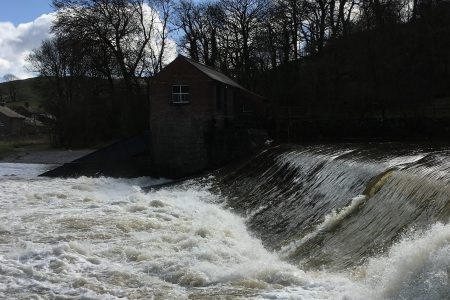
<point>294,222</point>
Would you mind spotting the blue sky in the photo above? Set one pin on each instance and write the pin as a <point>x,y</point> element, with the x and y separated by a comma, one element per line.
<point>22,11</point>
<point>23,26</point>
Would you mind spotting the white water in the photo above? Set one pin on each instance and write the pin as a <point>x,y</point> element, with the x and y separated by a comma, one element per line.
<point>104,238</point>
<point>417,267</point>
<point>24,170</point>
<point>331,221</point>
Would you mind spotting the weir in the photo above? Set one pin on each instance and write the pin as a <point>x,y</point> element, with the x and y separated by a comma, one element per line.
<point>334,206</point>
<point>346,221</point>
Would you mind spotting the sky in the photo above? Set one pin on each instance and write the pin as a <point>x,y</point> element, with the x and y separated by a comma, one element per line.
<point>23,26</point>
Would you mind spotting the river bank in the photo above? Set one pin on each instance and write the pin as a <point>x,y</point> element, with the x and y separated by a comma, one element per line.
<point>37,151</point>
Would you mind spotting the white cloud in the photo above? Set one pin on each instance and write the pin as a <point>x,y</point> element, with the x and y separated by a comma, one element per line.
<point>170,51</point>
<point>16,42</point>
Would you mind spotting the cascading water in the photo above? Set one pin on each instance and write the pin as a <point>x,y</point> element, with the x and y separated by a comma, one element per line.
<point>310,222</point>
<point>104,238</point>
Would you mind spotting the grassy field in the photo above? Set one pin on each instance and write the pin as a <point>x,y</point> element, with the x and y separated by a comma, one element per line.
<point>27,92</point>
<point>17,145</point>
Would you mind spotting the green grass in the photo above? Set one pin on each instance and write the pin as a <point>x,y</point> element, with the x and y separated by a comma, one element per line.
<point>16,145</point>
<point>27,92</point>
<point>5,150</point>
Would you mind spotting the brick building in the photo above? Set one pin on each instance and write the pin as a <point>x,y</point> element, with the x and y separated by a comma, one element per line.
<point>200,117</point>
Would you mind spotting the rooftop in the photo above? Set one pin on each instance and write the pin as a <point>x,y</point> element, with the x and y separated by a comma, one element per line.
<point>213,74</point>
<point>10,113</point>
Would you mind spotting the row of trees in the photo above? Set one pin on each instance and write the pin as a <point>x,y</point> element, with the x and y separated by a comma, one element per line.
<point>129,39</point>
<point>120,44</point>
<point>243,37</point>
<point>364,62</point>
<point>117,45</point>
<point>9,91</point>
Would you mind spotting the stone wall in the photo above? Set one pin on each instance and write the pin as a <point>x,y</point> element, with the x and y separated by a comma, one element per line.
<point>179,148</point>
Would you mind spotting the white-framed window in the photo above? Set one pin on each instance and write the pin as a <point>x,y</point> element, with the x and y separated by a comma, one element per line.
<point>180,94</point>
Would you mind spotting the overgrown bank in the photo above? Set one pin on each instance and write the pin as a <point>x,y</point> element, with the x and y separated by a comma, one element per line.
<point>379,83</point>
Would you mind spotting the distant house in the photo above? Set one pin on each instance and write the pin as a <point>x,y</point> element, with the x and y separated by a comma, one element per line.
<point>22,110</point>
<point>36,119</point>
<point>11,123</point>
<point>199,116</point>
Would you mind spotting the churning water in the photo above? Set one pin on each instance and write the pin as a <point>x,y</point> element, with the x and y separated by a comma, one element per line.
<point>318,222</point>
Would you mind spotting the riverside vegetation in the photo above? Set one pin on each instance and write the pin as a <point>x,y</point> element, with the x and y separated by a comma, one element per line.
<point>369,68</point>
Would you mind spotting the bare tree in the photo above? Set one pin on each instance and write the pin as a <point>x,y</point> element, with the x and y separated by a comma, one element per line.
<point>123,27</point>
<point>12,88</point>
<point>162,11</point>
<point>243,19</point>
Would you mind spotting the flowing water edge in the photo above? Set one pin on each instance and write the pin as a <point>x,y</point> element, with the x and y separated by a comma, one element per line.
<point>311,222</point>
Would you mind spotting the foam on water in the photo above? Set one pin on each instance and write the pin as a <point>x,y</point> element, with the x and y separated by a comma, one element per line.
<point>331,221</point>
<point>416,267</point>
<point>105,238</point>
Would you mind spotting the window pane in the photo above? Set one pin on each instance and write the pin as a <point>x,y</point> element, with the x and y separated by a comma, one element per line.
<point>180,94</point>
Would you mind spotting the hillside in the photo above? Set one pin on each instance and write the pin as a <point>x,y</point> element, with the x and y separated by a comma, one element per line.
<point>26,91</point>
<point>379,83</point>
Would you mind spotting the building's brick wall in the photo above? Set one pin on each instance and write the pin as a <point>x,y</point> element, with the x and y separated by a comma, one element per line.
<point>179,131</point>
<point>187,138</point>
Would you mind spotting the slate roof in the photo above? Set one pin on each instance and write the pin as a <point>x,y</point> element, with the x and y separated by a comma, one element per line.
<point>214,74</point>
<point>10,113</point>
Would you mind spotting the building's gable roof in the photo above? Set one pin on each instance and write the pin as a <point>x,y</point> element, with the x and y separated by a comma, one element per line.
<point>213,74</point>
<point>10,113</point>
<point>22,110</point>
